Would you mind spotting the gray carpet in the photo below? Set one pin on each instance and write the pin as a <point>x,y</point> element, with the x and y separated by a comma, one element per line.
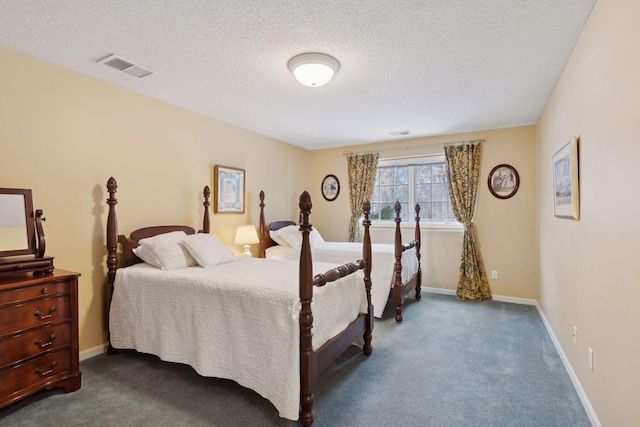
<point>451,363</point>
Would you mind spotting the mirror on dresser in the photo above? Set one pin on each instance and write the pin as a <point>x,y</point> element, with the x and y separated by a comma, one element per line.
<point>22,242</point>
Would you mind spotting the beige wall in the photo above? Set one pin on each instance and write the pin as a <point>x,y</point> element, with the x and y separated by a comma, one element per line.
<point>505,227</point>
<point>63,135</point>
<point>588,267</point>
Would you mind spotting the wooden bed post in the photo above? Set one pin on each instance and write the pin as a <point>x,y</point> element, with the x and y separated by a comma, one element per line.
<point>112,257</point>
<point>206,220</point>
<point>418,237</point>
<point>307,361</point>
<point>262,232</point>
<point>397,282</point>
<point>366,255</point>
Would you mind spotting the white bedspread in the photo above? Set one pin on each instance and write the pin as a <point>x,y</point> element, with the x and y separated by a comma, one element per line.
<point>338,253</point>
<point>237,321</point>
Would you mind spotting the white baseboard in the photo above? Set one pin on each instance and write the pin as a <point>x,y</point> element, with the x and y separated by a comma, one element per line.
<point>591,413</point>
<point>574,379</point>
<point>438,291</point>
<point>91,352</point>
<point>514,300</point>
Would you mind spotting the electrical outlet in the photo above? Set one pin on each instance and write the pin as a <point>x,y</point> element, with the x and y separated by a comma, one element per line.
<point>590,356</point>
<point>575,335</point>
<point>494,274</point>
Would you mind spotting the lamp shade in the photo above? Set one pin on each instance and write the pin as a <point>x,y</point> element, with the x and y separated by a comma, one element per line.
<point>246,235</point>
<point>313,69</point>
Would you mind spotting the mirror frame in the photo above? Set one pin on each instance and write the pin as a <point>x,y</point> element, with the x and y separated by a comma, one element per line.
<point>29,221</point>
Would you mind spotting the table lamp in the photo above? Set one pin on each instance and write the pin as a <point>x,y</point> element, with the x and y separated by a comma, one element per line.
<point>246,235</point>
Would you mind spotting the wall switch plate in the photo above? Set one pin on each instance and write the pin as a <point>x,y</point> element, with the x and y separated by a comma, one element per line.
<point>590,355</point>
<point>575,335</point>
<point>494,274</point>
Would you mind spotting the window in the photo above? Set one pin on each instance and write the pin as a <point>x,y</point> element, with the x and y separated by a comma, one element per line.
<point>421,180</point>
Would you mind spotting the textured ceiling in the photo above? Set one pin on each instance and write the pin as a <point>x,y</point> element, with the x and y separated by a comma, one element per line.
<point>429,67</point>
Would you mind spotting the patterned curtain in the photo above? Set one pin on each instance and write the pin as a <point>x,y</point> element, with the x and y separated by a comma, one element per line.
<point>362,170</point>
<point>463,165</point>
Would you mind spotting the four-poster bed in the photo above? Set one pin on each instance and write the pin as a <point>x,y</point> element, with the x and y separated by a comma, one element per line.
<point>396,272</point>
<point>244,303</point>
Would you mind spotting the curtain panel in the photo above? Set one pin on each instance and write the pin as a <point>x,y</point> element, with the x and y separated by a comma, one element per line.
<point>463,166</point>
<point>362,169</point>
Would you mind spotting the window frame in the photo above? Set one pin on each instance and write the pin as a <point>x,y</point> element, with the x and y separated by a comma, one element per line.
<point>410,223</point>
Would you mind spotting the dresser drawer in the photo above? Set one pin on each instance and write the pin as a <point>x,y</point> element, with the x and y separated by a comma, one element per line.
<point>35,372</point>
<point>34,342</point>
<point>20,317</point>
<point>29,292</point>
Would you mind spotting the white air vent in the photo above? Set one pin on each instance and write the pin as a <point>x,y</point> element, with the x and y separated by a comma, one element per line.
<point>399,133</point>
<point>128,67</point>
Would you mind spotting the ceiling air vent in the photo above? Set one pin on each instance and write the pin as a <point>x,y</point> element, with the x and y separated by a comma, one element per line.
<point>399,133</point>
<point>128,67</point>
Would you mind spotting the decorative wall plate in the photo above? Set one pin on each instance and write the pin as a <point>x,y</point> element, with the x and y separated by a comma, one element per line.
<point>330,188</point>
<point>503,181</point>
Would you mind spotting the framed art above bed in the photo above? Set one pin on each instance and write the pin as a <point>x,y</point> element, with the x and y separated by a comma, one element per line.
<point>228,190</point>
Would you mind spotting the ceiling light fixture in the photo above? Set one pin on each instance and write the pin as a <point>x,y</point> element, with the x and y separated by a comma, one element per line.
<point>313,69</point>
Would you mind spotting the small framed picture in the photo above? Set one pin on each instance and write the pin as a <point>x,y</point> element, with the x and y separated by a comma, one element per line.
<point>503,181</point>
<point>330,188</point>
<point>566,189</point>
<point>228,190</point>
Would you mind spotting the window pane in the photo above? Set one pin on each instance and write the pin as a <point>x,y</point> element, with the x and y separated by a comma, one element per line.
<point>386,195</point>
<point>425,211</point>
<point>439,172</point>
<point>423,174</point>
<point>404,212</point>
<point>423,193</point>
<point>402,175</point>
<point>440,192</point>
<point>402,193</point>
<point>385,176</point>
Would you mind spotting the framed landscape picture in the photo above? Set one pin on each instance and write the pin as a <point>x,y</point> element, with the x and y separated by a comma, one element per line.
<point>566,188</point>
<point>228,190</point>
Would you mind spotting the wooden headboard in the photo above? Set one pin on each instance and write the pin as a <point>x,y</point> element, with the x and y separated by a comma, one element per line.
<point>131,242</point>
<point>265,239</point>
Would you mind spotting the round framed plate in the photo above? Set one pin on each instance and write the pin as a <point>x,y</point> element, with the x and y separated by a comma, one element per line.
<point>503,181</point>
<point>330,188</point>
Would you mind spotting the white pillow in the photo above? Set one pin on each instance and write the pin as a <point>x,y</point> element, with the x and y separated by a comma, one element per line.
<point>207,249</point>
<point>276,238</point>
<point>315,239</point>
<point>292,235</point>
<point>165,251</point>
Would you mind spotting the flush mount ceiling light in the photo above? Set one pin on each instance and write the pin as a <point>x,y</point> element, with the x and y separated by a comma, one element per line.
<point>313,69</point>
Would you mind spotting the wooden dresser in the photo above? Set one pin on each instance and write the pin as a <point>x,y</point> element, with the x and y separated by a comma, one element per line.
<point>38,334</point>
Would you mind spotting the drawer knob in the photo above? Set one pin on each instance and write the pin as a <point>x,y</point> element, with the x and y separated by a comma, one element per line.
<point>39,315</point>
<point>48,343</point>
<point>45,290</point>
<point>48,372</point>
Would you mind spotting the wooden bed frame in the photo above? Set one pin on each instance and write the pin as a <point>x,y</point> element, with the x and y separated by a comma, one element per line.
<point>399,289</point>
<point>312,361</point>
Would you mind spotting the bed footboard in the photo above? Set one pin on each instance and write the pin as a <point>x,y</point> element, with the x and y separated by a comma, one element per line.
<point>401,289</point>
<point>313,362</point>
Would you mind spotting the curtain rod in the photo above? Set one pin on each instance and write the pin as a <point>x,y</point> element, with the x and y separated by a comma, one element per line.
<point>408,147</point>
